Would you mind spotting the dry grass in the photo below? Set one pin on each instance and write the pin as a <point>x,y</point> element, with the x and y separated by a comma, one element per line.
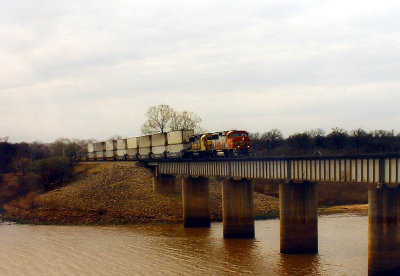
<point>117,193</point>
<point>329,194</point>
<point>338,198</point>
<point>120,193</point>
<point>356,209</point>
<point>9,187</point>
<point>90,168</point>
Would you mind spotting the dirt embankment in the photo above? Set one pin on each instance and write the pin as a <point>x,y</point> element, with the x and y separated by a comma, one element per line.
<point>120,193</point>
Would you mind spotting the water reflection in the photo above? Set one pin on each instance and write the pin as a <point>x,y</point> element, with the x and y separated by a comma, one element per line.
<point>173,249</point>
<point>300,265</point>
<point>245,256</point>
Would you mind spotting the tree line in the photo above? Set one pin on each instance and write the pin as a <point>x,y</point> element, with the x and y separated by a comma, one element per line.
<point>317,143</point>
<point>37,166</point>
<point>41,167</point>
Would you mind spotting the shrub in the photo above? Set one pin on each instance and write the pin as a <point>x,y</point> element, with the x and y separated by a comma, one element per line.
<point>52,171</point>
<point>11,188</point>
<point>29,182</point>
<point>6,153</point>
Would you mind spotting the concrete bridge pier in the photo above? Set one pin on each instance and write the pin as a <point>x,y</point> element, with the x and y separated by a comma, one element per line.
<point>384,231</point>
<point>195,201</point>
<point>298,217</point>
<point>238,208</point>
<point>164,184</point>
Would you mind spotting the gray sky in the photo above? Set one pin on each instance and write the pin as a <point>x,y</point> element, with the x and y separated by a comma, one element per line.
<point>90,69</point>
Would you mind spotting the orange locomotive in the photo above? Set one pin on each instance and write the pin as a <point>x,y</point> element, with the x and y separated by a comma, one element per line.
<point>226,143</point>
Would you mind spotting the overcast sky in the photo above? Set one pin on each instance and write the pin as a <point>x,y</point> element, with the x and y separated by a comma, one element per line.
<point>90,69</point>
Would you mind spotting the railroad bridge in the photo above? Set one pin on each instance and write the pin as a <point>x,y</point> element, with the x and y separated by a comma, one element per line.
<point>298,178</point>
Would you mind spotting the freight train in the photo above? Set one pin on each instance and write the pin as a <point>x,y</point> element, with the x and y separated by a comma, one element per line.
<point>175,144</point>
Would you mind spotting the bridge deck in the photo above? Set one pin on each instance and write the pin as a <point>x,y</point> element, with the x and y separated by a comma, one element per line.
<point>364,169</point>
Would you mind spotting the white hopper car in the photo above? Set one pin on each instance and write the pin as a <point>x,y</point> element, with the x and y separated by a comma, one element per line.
<point>160,145</point>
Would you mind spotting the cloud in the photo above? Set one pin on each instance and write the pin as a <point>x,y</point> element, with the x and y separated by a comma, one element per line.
<point>91,69</point>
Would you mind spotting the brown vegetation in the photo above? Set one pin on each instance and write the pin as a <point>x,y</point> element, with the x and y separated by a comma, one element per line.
<point>329,194</point>
<point>116,193</point>
<point>355,209</point>
<point>10,187</point>
<point>121,193</point>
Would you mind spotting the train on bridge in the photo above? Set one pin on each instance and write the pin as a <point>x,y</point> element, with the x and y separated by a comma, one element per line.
<point>175,144</point>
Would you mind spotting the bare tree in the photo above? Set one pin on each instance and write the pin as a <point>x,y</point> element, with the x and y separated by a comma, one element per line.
<point>318,132</point>
<point>73,149</point>
<point>185,120</point>
<point>273,138</point>
<point>158,119</point>
<point>163,118</point>
<point>338,137</point>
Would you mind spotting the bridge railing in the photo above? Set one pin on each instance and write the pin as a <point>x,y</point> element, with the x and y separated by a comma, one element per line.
<point>367,169</point>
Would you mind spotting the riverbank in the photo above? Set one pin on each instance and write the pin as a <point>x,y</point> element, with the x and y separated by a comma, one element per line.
<point>121,193</point>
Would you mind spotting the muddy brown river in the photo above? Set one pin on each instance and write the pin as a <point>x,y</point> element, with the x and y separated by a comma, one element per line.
<point>174,250</point>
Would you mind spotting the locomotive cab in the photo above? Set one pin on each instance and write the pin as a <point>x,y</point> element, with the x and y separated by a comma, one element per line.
<point>238,141</point>
<point>226,143</point>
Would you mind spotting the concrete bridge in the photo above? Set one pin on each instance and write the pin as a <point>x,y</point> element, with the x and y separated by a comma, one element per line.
<point>297,198</point>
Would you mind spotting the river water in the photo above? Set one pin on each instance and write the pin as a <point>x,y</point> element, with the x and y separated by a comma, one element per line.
<point>174,250</point>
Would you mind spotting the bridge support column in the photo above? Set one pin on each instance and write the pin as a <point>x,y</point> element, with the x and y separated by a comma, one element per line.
<point>164,184</point>
<point>195,201</point>
<point>298,217</point>
<point>384,231</point>
<point>238,208</point>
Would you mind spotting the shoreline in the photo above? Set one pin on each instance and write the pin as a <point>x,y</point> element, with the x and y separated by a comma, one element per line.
<point>122,194</point>
<point>343,210</point>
